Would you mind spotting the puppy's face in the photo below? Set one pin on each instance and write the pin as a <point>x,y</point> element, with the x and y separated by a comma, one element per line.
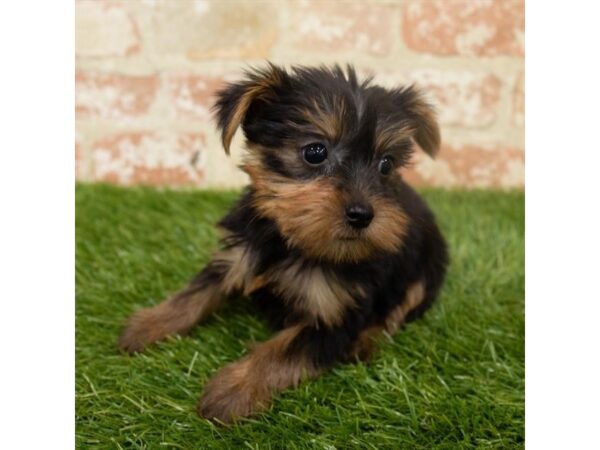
<point>323,156</point>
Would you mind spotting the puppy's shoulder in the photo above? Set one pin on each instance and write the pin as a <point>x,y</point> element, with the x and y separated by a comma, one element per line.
<point>413,204</point>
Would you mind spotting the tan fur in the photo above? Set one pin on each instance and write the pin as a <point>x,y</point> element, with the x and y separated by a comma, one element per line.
<point>414,296</point>
<point>329,123</point>
<point>246,386</point>
<point>238,114</point>
<point>389,226</point>
<point>386,138</point>
<point>176,315</point>
<point>259,176</point>
<point>254,91</point>
<point>256,284</point>
<point>289,156</point>
<point>240,275</point>
<point>179,313</point>
<point>310,215</point>
<point>365,345</point>
<point>321,295</point>
<point>427,131</point>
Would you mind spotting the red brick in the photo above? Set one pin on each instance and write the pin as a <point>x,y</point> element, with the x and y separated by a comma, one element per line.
<point>104,29</point>
<point>79,169</point>
<point>192,96</point>
<point>519,101</point>
<point>468,99</point>
<point>342,26</point>
<point>465,27</point>
<point>470,165</point>
<point>148,158</point>
<point>461,98</point>
<point>102,95</point>
<point>203,29</point>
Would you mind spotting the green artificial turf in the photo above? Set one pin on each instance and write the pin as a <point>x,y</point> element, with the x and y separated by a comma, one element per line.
<point>454,379</point>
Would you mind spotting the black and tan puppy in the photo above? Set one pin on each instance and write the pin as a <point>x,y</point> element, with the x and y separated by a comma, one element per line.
<point>328,240</point>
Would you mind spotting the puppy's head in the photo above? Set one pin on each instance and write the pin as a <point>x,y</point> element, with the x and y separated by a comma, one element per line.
<point>323,155</point>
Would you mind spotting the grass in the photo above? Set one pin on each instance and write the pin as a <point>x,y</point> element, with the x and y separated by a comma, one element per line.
<point>452,380</point>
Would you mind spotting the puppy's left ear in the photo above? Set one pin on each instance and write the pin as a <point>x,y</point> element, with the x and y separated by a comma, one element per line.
<point>423,118</point>
<point>235,100</point>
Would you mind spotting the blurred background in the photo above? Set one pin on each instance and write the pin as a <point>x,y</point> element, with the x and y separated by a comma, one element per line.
<point>146,72</point>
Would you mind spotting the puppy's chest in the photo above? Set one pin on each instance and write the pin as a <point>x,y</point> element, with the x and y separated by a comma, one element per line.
<point>312,291</point>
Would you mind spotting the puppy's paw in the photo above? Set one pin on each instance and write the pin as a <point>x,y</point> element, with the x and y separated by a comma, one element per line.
<point>234,392</point>
<point>143,328</point>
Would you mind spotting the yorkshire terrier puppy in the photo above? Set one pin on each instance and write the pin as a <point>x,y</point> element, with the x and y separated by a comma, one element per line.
<point>328,240</point>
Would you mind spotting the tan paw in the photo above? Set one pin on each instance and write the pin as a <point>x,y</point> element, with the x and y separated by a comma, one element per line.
<point>143,328</point>
<point>234,392</point>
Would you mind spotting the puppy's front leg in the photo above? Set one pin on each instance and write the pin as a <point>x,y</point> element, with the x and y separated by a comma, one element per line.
<point>246,386</point>
<point>229,272</point>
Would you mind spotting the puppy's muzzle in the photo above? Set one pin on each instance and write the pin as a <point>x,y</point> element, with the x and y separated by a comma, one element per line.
<point>359,215</point>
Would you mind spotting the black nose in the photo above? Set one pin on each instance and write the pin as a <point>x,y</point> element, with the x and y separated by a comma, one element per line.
<point>359,215</point>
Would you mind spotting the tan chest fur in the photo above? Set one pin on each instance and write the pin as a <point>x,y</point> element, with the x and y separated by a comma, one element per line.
<point>318,295</point>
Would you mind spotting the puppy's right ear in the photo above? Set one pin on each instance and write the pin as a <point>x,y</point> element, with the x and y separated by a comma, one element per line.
<point>235,99</point>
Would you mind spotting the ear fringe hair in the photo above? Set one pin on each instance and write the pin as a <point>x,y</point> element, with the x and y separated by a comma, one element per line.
<point>234,100</point>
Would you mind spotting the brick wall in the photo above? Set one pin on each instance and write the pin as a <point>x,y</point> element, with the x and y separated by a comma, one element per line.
<point>147,69</point>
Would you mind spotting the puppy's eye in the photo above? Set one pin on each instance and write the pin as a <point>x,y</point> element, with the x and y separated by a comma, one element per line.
<point>314,153</point>
<point>386,165</point>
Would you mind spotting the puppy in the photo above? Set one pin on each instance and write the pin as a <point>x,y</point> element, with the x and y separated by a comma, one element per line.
<point>328,240</point>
